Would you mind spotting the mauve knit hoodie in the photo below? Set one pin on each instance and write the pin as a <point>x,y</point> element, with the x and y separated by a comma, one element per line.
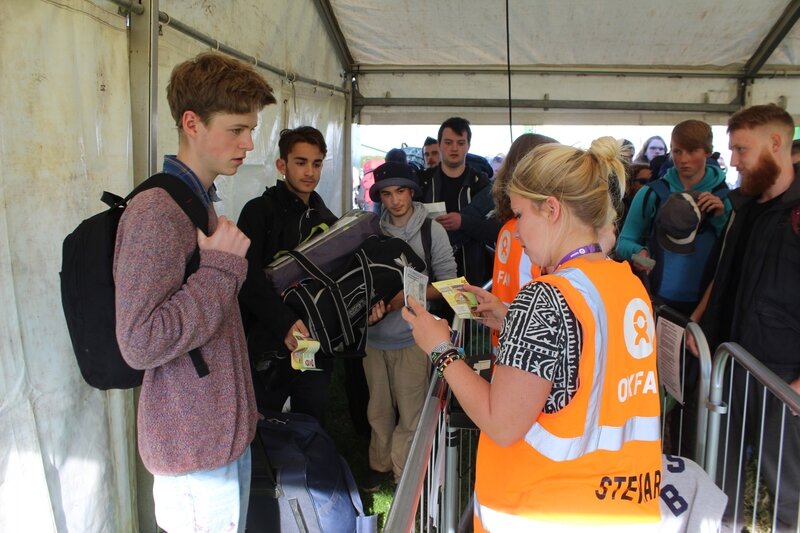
<point>185,423</point>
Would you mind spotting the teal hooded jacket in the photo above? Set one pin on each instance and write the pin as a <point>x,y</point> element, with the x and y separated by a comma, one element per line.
<point>636,230</point>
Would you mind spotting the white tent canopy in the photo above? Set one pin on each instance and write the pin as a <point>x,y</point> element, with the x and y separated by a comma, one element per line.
<point>574,62</point>
<point>83,110</point>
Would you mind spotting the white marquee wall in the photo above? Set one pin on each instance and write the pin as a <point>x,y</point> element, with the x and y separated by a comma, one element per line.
<point>67,452</point>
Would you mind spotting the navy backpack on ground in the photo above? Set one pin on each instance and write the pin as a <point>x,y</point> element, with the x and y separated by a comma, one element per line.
<point>87,286</point>
<point>300,482</point>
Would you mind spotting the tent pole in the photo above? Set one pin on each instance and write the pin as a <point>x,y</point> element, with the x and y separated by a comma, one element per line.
<point>508,76</point>
<point>144,99</point>
<point>347,159</point>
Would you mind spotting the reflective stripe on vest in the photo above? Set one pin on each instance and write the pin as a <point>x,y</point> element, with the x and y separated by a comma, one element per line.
<point>488,519</point>
<point>595,437</point>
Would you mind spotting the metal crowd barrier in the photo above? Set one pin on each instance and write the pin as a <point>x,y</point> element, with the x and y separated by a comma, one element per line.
<point>435,490</point>
<point>770,400</point>
<point>697,453</point>
<point>417,492</point>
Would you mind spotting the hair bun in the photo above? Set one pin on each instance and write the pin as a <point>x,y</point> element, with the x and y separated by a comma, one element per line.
<point>605,149</point>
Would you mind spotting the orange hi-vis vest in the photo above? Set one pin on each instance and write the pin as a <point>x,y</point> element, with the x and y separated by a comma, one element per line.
<point>506,275</point>
<point>597,461</point>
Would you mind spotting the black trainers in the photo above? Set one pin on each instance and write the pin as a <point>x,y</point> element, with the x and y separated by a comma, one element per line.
<point>374,480</point>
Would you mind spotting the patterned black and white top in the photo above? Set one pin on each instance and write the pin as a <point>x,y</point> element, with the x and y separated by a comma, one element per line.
<point>541,335</point>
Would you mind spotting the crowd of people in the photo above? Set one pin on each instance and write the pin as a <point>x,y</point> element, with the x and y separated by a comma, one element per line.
<point>572,313</point>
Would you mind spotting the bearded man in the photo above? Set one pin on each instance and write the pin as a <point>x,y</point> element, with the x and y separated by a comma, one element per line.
<point>753,299</point>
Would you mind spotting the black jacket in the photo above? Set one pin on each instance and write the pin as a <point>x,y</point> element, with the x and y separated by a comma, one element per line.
<point>468,251</point>
<point>275,222</point>
<point>762,309</point>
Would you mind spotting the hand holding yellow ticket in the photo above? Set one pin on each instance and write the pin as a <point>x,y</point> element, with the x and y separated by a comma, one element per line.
<point>303,357</point>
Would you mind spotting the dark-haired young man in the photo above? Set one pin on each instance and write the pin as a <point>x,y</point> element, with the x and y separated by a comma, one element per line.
<point>286,215</point>
<point>430,152</point>
<point>456,184</point>
<point>753,298</point>
<point>396,369</point>
<point>194,433</point>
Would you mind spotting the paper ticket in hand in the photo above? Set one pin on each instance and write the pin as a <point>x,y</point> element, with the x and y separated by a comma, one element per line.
<point>646,262</point>
<point>303,357</point>
<point>414,284</point>
<point>462,302</point>
<point>435,209</point>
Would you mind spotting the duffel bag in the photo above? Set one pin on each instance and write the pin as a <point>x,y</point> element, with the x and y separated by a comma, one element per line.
<point>335,307</point>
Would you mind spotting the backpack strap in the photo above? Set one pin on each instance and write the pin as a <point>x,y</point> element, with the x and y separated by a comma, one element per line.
<point>427,241</point>
<point>721,190</point>
<point>190,204</point>
<point>661,189</point>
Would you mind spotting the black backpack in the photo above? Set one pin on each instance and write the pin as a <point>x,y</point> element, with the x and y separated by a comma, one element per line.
<point>336,306</point>
<point>87,286</point>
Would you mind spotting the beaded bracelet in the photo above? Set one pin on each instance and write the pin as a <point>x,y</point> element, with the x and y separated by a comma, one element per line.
<point>440,357</point>
<point>455,357</point>
<point>447,357</point>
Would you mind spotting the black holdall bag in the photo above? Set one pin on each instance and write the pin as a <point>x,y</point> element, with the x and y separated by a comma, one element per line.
<point>336,306</point>
<point>88,292</point>
<point>330,250</point>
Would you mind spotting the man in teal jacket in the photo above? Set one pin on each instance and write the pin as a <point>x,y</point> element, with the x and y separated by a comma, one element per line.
<point>684,261</point>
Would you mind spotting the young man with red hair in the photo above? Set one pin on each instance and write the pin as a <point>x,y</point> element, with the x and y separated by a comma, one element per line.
<point>753,298</point>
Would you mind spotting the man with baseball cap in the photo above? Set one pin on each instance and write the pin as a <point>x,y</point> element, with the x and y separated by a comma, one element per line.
<point>397,369</point>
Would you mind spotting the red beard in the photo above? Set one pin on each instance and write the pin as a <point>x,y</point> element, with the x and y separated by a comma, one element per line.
<point>761,177</point>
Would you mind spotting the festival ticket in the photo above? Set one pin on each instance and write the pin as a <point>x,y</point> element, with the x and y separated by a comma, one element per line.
<point>462,302</point>
<point>414,284</point>
<point>303,357</point>
<point>435,209</point>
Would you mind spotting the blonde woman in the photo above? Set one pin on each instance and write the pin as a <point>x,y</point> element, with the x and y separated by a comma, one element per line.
<point>570,422</point>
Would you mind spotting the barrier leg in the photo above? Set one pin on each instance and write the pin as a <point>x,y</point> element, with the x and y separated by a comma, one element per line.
<point>451,487</point>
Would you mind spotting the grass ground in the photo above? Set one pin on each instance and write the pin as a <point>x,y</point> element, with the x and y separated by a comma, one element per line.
<point>763,502</point>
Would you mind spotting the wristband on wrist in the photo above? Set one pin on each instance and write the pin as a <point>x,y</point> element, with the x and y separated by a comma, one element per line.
<point>439,349</point>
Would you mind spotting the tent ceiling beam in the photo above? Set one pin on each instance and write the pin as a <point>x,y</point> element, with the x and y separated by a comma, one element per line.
<point>578,70</point>
<point>773,39</point>
<point>335,32</point>
<point>361,102</point>
<point>185,29</point>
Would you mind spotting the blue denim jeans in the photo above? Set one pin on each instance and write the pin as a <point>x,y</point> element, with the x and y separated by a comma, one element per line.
<point>206,501</point>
